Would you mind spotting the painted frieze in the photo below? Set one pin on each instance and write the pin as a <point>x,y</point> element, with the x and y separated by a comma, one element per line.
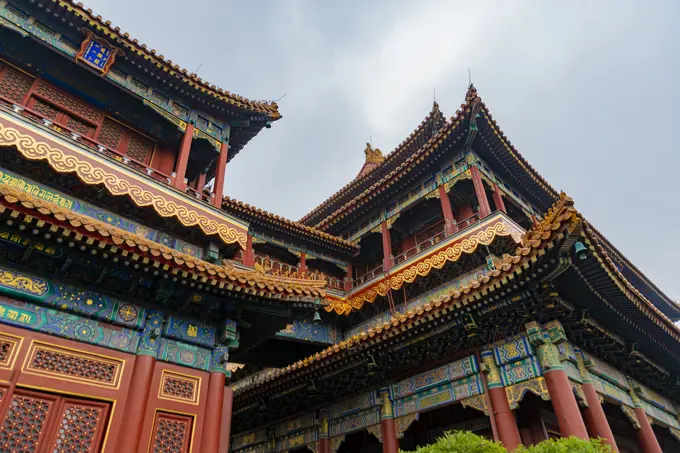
<point>512,350</point>
<point>240,441</point>
<point>440,395</point>
<point>184,354</point>
<point>520,371</point>
<point>66,325</point>
<point>43,192</point>
<point>189,331</point>
<point>296,424</point>
<point>447,373</point>
<point>351,405</point>
<point>309,331</point>
<point>354,422</point>
<point>297,440</point>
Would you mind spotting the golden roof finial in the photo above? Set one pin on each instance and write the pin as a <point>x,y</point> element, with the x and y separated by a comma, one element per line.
<point>373,155</point>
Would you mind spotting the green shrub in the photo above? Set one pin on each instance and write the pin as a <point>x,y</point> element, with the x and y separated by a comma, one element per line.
<point>463,442</point>
<point>467,442</point>
<point>568,445</point>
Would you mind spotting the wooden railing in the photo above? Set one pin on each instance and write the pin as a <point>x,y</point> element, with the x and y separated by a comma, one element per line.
<point>370,275</point>
<point>95,145</point>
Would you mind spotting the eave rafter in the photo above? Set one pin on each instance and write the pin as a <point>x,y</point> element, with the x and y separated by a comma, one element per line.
<point>543,242</point>
<point>102,236</point>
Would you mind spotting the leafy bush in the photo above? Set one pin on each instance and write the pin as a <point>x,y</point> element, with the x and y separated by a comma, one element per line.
<point>467,442</point>
<point>568,445</point>
<point>463,441</point>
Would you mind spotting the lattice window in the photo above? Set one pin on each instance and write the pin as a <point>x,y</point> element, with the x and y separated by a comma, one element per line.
<point>68,102</point>
<point>71,365</point>
<point>46,110</point>
<point>110,134</point>
<point>78,126</point>
<point>15,84</point>
<point>6,348</point>
<point>80,428</point>
<point>179,387</point>
<point>172,433</point>
<point>139,148</point>
<point>23,426</point>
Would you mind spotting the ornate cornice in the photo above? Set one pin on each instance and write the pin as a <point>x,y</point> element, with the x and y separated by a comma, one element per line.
<point>448,251</point>
<point>34,143</point>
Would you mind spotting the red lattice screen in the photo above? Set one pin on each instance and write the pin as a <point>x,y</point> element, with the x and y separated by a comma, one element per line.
<point>171,433</point>
<point>14,85</point>
<point>44,423</point>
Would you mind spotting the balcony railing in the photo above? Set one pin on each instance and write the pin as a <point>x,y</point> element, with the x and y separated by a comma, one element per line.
<point>99,147</point>
<point>370,275</point>
<point>424,240</point>
<point>272,266</point>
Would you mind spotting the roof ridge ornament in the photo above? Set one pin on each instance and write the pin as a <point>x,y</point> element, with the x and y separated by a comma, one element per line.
<point>373,155</point>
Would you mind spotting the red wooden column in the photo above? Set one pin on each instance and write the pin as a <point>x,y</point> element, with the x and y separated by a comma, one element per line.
<point>249,255</point>
<point>324,441</point>
<point>646,437</point>
<point>140,384</point>
<point>227,404</point>
<point>390,442</point>
<point>593,415</point>
<point>135,403</point>
<point>183,158</point>
<point>484,209</point>
<point>348,278</point>
<point>561,394</point>
<point>220,170</point>
<point>212,420</point>
<point>388,259</point>
<point>498,199</point>
<point>302,264</point>
<point>449,222</point>
<point>506,425</point>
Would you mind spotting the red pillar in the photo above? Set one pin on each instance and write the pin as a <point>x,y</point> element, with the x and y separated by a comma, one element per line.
<point>135,406</point>
<point>302,264</point>
<point>596,420</point>
<point>484,209</point>
<point>646,436</point>
<point>389,436</point>
<point>564,404</point>
<point>348,278</point>
<point>499,408</point>
<point>183,158</point>
<point>249,256</point>
<point>226,419</point>
<point>449,222</point>
<point>498,199</point>
<point>212,422</point>
<point>388,260</point>
<point>325,445</point>
<point>505,418</point>
<point>220,170</point>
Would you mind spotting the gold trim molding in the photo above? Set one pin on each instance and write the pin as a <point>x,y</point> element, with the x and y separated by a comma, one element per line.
<point>165,206</point>
<point>448,252</point>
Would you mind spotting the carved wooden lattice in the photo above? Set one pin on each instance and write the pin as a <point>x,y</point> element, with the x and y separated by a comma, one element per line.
<point>80,428</point>
<point>178,387</point>
<point>139,148</point>
<point>172,433</point>
<point>15,84</point>
<point>6,348</point>
<point>76,366</point>
<point>68,102</point>
<point>22,428</point>
<point>110,134</point>
<point>46,110</point>
<point>78,126</point>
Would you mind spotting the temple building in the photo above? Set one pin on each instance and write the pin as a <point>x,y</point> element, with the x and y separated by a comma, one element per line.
<point>447,286</point>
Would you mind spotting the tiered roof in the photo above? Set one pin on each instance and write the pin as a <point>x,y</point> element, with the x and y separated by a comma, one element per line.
<point>561,222</point>
<point>374,169</point>
<point>260,216</point>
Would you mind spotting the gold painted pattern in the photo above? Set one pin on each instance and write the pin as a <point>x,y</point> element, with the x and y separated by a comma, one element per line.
<point>179,387</point>
<point>61,162</point>
<point>73,365</point>
<point>516,392</point>
<point>23,283</point>
<point>477,402</point>
<point>435,260</point>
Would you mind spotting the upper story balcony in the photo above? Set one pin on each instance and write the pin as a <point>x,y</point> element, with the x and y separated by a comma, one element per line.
<point>470,233</point>
<point>70,139</point>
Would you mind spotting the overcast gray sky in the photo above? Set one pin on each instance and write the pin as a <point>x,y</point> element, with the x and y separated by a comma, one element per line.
<point>587,91</point>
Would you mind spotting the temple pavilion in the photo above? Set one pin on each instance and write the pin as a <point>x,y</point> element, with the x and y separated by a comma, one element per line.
<point>448,286</point>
